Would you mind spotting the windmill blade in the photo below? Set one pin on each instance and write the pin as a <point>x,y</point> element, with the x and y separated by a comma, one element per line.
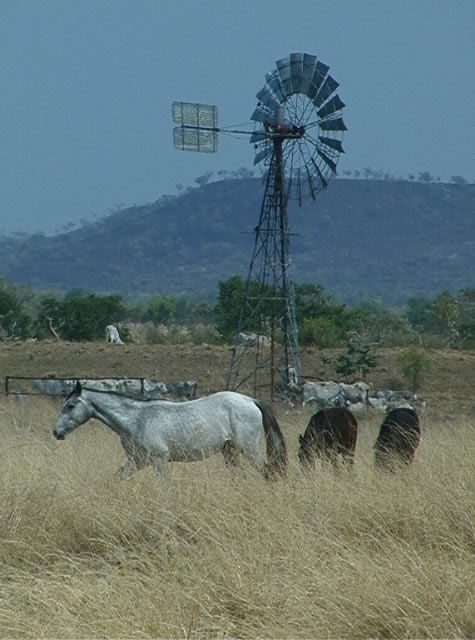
<point>195,139</point>
<point>319,74</point>
<point>310,183</point>
<point>275,85</point>
<point>263,154</point>
<point>320,174</point>
<point>299,188</point>
<point>289,185</point>
<point>261,114</point>
<point>266,98</point>
<point>296,71</point>
<point>308,68</point>
<point>334,104</point>
<point>332,143</point>
<point>327,160</point>
<point>285,73</point>
<point>336,124</point>
<point>325,91</point>
<point>193,114</point>
<point>258,137</point>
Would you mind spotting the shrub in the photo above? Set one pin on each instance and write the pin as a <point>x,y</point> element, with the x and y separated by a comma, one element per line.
<point>414,362</point>
<point>359,357</point>
<point>319,331</point>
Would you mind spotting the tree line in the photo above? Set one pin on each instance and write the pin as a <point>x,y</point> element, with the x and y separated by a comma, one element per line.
<point>444,320</point>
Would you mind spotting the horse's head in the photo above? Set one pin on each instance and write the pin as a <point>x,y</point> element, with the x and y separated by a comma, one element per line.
<point>76,411</point>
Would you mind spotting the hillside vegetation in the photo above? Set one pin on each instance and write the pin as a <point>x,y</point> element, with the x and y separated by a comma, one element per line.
<point>380,239</point>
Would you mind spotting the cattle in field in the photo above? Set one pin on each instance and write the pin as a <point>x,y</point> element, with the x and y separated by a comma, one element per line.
<point>112,334</point>
<point>330,432</point>
<point>398,439</point>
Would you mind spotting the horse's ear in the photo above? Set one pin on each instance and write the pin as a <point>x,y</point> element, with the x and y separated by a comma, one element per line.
<point>78,387</point>
<point>300,438</point>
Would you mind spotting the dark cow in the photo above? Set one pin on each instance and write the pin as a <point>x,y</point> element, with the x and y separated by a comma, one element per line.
<point>398,439</point>
<point>330,432</point>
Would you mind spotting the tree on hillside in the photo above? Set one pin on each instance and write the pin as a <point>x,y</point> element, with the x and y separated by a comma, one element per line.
<point>79,316</point>
<point>458,180</point>
<point>15,321</point>
<point>204,179</point>
<point>227,311</point>
<point>160,310</point>
<point>426,177</point>
<point>321,320</point>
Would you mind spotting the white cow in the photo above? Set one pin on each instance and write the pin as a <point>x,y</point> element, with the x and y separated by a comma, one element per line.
<point>112,334</point>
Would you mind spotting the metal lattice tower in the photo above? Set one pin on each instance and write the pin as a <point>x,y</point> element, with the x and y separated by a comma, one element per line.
<point>298,129</point>
<point>267,321</point>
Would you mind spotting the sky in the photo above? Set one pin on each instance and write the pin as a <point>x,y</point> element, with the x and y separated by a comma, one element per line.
<point>87,88</point>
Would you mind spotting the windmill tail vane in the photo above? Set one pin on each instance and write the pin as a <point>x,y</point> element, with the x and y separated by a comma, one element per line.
<point>297,138</point>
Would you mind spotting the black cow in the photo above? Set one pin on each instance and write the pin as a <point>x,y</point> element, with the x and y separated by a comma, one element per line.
<point>330,432</point>
<point>398,439</point>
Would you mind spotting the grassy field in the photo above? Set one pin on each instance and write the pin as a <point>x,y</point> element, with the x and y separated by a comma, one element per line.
<point>211,553</point>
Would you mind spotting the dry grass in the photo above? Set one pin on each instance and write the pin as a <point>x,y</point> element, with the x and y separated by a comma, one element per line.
<point>214,554</point>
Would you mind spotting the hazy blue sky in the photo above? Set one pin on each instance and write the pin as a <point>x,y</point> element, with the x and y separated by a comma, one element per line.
<point>87,87</point>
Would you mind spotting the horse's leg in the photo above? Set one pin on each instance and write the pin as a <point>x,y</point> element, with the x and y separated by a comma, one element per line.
<point>135,459</point>
<point>161,465</point>
<point>231,455</point>
<point>127,470</point>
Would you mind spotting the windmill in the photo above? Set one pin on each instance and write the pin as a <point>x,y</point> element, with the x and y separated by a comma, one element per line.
<point>297,136</point>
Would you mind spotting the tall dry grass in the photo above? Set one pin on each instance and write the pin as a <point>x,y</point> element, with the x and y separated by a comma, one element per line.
<point>211,554</point>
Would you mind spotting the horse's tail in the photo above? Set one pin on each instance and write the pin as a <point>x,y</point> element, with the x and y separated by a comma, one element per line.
<point>275,442</point>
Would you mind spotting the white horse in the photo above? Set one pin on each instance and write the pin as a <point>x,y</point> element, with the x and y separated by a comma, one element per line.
<point>157,432</point>
<point>112,334</point>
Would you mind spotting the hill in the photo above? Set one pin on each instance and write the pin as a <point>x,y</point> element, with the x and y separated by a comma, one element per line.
<point>381,239</point>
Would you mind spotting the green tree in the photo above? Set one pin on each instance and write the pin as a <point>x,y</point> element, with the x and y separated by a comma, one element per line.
<point>319,314</point>
<point>445,314</point>
<point>231,296</point>
<point>418,312</point>
<point>160,310</point>
<point>15,321</point>
<point>466,321</point>
<point>50,318</point>
<point>227,310</point>
<point>425,176</point>
<point>458,180</point>
<point>204,179</point>
<point>79,316</point>
<point>319,331</point>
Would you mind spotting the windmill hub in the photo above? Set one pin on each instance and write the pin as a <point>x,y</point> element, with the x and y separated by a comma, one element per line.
<point>283,130</point>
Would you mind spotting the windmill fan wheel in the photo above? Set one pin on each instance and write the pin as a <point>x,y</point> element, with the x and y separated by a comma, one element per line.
<point>299,109</point>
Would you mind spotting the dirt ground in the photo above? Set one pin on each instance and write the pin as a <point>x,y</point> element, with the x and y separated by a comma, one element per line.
<point>448,385</point>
